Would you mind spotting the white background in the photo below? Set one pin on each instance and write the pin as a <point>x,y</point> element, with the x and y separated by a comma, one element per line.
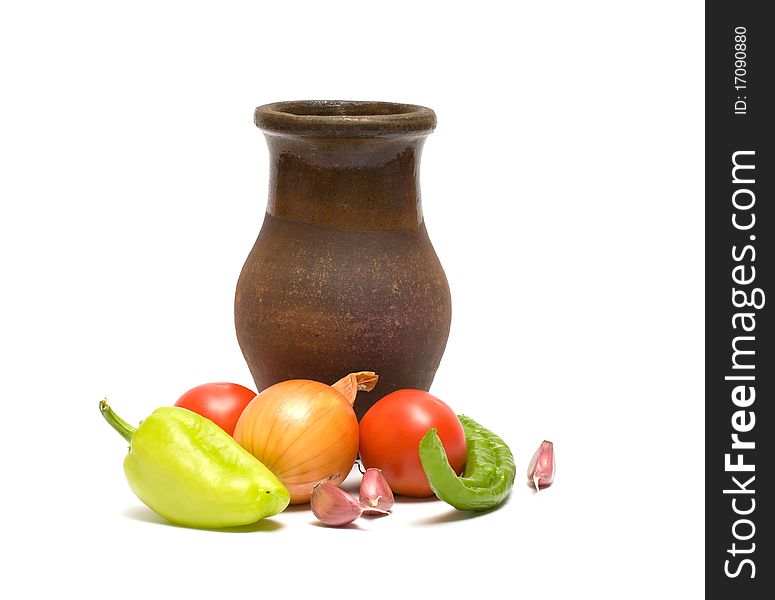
<point>562,190</point>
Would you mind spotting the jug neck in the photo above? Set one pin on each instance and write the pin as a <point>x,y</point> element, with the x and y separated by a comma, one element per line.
<point>346,165</point>
<point>361,184</point>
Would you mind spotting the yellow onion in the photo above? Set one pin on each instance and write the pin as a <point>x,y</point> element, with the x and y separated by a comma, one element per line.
<point>305,431</point>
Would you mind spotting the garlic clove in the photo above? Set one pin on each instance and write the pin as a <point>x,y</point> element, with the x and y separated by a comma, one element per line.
<point>540,473</point>
<point>375,492</point>
<point>335,507</point>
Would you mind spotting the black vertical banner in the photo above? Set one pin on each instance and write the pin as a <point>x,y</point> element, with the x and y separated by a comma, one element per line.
<point>739,292</point>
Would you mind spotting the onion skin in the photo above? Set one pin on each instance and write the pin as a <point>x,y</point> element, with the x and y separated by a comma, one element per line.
<point>304,431</point>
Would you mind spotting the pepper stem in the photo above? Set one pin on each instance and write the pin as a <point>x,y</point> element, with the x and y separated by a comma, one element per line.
<point>351,384</point>
<point>124,428</point>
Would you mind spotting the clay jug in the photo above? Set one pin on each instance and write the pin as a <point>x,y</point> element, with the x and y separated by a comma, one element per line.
<point>343,276</point>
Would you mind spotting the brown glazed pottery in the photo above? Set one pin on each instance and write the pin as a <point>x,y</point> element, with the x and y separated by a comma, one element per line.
<point>343,276</point>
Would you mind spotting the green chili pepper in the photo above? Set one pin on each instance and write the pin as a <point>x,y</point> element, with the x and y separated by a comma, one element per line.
<point>487,478</point>
<point>191,472</point>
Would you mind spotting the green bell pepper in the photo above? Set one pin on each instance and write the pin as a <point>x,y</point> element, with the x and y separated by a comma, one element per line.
<point>488,476</point>
<point>191,472</point>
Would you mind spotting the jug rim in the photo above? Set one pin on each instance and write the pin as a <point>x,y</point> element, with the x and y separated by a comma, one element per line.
<point>344,118</point>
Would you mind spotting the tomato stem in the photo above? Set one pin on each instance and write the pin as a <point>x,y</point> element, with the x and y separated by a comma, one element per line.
<point>124,428</point>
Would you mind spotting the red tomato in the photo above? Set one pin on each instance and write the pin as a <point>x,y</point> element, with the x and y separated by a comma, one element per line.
<point>222,403</point>
<point>390,434</point>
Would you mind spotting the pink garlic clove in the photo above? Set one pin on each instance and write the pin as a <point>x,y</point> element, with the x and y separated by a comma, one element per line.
<point>375,492</point>
<point>335,507</point>
<point>540,473</point>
